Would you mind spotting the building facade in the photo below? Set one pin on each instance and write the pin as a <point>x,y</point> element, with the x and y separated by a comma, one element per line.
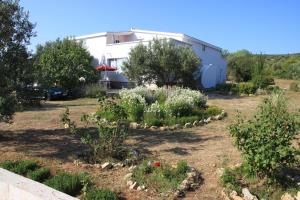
<point>112,48</point>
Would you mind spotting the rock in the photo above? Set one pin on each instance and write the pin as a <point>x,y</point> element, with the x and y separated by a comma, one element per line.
<point>106,165</point>
<point>185,185</point>
<point>140,188</point>
<point>119,164</point>
<point>188,125</point>
<point>195,123</point>
<point>128,176</point>
<point>162,128</point>
<point>97,165</point>
<point>153,127</point>
<point>201,123</point>
<point>287,196</point>
<point>224,195</point>
<point>146,126</point>
<point>178,126</point>
<point>134,186</point>
<point>171,128</point>
<point>133,125</point>
<point>234,196</point>
<point>219,117</point>
<point>178,194</point>
<point>129,183</point>
<point>248,195</point>
<point>132,168</point>
<point>298,196</point>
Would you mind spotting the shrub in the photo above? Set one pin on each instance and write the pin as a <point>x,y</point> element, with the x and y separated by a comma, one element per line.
<point>294,87</point>
<point>21,167</point>
<point>246,88</point>
<point>40,174</point>
<point>212,111</point>
<point>265,140</point>
<point>93,91</point>
<point>179,106</point>
<point>154,114</point>
<point>111,110</point>
<point>65,182</point>
<point>164,178</point>
<point>100,194</point>
<point>133,104</point>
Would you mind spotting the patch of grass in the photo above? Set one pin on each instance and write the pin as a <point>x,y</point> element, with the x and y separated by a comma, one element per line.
<point>40,174</point>
<point>21,167</point>
<point>65,182</point>
<point>229,180</point>
<point>163,178</point>
<point>100,194</point>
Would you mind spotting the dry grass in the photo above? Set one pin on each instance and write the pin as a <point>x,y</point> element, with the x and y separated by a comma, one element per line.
<point>38,134</point>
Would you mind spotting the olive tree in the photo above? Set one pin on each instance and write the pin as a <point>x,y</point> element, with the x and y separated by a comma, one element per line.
<point>162,62</point>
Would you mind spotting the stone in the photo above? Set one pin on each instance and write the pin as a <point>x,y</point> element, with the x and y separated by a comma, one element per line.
<point>235,196</point>
<point>185,185</point>
<point>162,128</point>
<point>178,126</point>
<point>224,195</point>
<point>248,195</point>
<point>134,186</point>
<point>97,165</point>
<point>195,123</point>
<point>140,188</point>
<point>208,120</point>
<point>128,176</point>
<point>153,127</point>
<point>129,183</point>
<point>298,196</point>
<point>106,165</point>
<point>201,123</point>
<point>119,164</point>
<point>146,126</point>
<point>131,168</point>
<point>219,117</point>
<point>287,196</point>
<point>179,194</point>
<point>133,125</point>
<point>188,125</point>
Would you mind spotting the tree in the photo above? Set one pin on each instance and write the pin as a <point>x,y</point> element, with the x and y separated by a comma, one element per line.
<point>15,69</point>
<point>63,62</point>
<point>162,62</point>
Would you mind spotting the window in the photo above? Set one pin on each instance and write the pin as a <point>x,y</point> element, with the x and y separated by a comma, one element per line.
<point>203,47</point>
<point>116,62</point>
<point>117,41</point>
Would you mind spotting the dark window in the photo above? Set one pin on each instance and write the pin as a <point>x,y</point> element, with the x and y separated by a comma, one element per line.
<point>117,41</point>
<point>203,47</point>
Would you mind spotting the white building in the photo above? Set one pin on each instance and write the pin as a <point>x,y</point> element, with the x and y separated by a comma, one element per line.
<point>112,48</point>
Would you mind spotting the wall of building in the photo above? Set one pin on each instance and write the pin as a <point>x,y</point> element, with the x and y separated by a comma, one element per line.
<point>96,46</point>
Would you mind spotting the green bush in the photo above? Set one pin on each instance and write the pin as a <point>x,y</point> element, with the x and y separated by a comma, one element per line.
<point>93,91</point>
<point>294,87</point>
<point>65,182</point>
<point>154,114</point>
<point>100,194</point>
<point>151,119</point>
<point>111,110</point>
<point>265,140</point>
<point>246,88</point>
<point>163,178</point>
<point>21,167</point>
<point>134,105</point>
<point>212,111</point>
<point>40,174</point>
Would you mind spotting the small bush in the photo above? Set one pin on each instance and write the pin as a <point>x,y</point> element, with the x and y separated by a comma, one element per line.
<point>93,91</point>
<point>212,111</point>
<point>294,87</point>
<point>21,167</point>
<point>163,179</point>
<point>229,180</point>
<point>154,114</point>
<point>246,88</point>
<point>65,182</point>
<point>265,140</point>
<point>39,175</point>
<point>111,110</point>
<point>100,194</point>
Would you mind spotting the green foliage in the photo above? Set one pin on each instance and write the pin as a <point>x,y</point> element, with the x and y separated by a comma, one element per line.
<point>39,174</point>
<point>15,66</point>
<point>100,194</point>
<point>65,182</point>
<point>229,180</point>
<point>246,88</point>
<point>21,167</point>
<point>265,140</point>
<point>93,91</point>
<point>212,111</point>
<point>107,142</point>
<point>111,110</point>
<point>163,179</point>
<point>294,87</point>
<point>162,62</point>
<point>63,62</point>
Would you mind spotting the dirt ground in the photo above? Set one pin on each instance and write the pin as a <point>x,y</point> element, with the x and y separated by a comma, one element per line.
<point>38,134</point>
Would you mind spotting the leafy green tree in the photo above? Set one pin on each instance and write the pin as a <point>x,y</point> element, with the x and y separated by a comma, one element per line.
<point>162,62</point>
<point>63,62</point>
<point>240,65</point>
<point>15,69</point>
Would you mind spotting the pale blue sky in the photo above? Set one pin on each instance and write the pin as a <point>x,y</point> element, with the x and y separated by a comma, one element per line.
<point>268,26</point>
